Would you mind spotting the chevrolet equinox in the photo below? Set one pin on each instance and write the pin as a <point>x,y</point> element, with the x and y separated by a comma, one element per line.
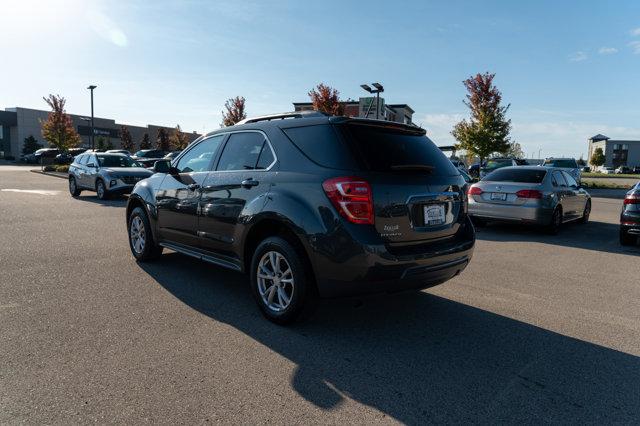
<point>309,206</point>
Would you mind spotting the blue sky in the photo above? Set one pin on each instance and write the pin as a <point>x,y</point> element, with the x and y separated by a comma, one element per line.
<point>568,69</point>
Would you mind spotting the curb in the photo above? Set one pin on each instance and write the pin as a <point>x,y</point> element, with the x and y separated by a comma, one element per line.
<point>54,174</point>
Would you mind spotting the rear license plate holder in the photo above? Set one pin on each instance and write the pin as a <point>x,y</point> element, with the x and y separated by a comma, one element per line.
<point>434,214</point>
<point>498,196</point>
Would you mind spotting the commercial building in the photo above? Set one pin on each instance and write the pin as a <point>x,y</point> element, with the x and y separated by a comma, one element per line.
<point>18,123</point>
<point>366,108</point>
<point>617,152</point>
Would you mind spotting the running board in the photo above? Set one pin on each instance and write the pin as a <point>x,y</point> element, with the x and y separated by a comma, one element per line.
<point>206,257</point>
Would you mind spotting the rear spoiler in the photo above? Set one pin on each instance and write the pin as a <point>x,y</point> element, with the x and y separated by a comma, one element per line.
<point>382,124</point>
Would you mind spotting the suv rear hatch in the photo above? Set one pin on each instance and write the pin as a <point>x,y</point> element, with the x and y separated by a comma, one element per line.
<point>418,195</point>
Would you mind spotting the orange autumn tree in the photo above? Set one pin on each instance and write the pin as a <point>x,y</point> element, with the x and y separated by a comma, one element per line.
<point>58,129</point>
<point>326,99</point>
<point>235,111</point>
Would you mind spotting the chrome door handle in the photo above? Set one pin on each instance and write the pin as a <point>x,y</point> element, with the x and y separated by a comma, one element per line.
<point>248,183</point>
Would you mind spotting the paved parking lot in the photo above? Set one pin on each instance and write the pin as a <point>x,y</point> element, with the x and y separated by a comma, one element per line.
<point>538,328</point>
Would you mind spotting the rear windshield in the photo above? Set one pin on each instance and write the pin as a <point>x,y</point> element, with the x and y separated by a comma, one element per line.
<point>568,164</point>
<point>516,175</point>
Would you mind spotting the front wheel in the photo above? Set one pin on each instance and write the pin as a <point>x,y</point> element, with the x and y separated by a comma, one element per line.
<point>101,190</point>
<point>73,187</point>
<point>280,283</point>
<point>141,242</point>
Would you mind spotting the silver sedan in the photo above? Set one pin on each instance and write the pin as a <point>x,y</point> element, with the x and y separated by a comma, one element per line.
<point>529,194</point>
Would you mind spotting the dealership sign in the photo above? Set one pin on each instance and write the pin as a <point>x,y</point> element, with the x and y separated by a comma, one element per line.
<point>98,131</point>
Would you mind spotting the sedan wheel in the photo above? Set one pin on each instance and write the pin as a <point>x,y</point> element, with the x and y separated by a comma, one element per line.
<point>586,212</point>
<point>137,235</point>
<point>556,222</point>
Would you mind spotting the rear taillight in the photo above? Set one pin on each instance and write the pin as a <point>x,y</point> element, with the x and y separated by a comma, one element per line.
<point>352,198</point>
<point>474,190</point>
<point>529,193</point>
<point>632,199</point>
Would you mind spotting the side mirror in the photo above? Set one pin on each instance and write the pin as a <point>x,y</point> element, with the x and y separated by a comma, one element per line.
<point>162,166</point>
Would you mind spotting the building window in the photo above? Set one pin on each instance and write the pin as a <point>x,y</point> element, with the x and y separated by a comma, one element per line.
<point>1,132</point>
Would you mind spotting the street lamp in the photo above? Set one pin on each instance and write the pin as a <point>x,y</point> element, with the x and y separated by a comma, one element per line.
<point>378,89</point>
<point>92,131</point>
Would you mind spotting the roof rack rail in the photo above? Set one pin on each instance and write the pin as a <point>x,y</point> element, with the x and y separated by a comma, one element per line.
<point>283,116</point>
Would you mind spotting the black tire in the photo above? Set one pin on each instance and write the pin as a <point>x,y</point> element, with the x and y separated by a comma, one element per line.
<point>556,222</point>
<point>101,190</point>
<point>586,212</point>
<point>73,187</point>
<point>626,239</point>
<point>303,295</point>
<point>151,250</point>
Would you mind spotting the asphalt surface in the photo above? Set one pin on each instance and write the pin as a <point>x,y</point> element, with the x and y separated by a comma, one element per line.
<point>537,329</point>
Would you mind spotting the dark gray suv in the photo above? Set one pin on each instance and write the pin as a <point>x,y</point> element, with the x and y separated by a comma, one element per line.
<point>309,206</point>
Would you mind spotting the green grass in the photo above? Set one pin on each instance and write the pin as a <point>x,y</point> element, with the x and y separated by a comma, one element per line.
<point>602,175</point>
<point>604,185</point>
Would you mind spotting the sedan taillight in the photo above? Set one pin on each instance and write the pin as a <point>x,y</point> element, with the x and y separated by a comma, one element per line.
<point>474,190</point>
<point>352,197</point>
<point>632,199</point>
<point>529,193</point>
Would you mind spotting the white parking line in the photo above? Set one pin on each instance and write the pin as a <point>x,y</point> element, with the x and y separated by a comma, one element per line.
<point>33,191</point>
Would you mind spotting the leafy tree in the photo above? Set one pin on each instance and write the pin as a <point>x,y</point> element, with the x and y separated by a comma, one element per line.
<point>597,158</point>
<point>58,128</point>
<point>162,140</point>
<point>179,139</point>
<point>127,140</point>
<point>326,99</point>
<point>235,111</point>
<point>515,150</point>
<point>100,143</point>
<point>145,143</point>
<point>109,144</point>
<point>487,130</point>
<point>30,145</point>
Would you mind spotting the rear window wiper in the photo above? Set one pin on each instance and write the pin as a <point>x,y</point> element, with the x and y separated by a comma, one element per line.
<point>421,167</point>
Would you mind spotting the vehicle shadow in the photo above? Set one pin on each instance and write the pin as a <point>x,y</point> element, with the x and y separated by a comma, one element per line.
<point>593,235</point>
<point>420,358</point>
<point>113,201</point>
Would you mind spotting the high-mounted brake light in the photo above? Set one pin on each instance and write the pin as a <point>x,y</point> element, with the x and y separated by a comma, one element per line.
<point>632,199</point>
<point>529,193</point>
<point>474,190</point>
<point>352,197</point>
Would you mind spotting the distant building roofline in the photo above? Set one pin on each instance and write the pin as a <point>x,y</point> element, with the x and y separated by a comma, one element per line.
<point>401,106</point>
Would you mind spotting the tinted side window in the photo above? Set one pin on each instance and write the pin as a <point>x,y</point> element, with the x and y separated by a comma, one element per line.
<point>266,157</point>
<point>242,151</point>
<point>321,145</point>
<point>558,180</point>
<point>570,180</point>
<point>199,157</point>
<point>91,159</point>
<point>81,159</point>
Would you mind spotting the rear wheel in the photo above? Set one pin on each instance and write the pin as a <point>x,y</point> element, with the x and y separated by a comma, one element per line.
<point>586,212</point>
<point>280,283</point>
<point>556,222</point>
<point>141,242</point>
<point>101,190</point>
<point>73,187</point>
<point>626,239</point>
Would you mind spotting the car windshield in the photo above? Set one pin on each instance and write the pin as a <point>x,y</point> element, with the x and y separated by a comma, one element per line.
<point>567,164</point>
<point>516,175</point>
<point>145,153</point>
<point>496,164</point>
<point>116,161</point>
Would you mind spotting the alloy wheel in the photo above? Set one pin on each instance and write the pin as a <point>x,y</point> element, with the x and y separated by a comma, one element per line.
<point>137,235</point>
<point>72,185</point>
<point>276,283</point>
<point>100,190</point>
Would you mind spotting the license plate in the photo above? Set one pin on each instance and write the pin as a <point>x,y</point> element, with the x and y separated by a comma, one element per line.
<point>501,196</point>
<point>434,214</point>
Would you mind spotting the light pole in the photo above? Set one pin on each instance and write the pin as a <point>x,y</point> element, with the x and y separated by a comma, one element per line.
<point>539,151</point>
<point>92,131</point>
<point>378,89</point>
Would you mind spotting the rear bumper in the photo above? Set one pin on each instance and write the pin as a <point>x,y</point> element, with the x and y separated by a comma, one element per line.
<point>504,212</point>
<point>375,269</point>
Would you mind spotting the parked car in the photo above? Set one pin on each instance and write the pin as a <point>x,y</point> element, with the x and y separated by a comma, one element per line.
<point>474,169</point>
<point>49,153</point>
<point>630,217</point>
<point>495,164</point>
<point>529,194</point>
<point>309,206</point>
<point>607,170</point>
<point>107,174</point>
<point>459,164</point>
<point>67,157</point>
<point>585,169</point>
<point>147,157</point>
<point>622,170</point>
<point>118,151</point>
<point>636,170</point>
<point>173,154</point>
<point>569,165</point>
